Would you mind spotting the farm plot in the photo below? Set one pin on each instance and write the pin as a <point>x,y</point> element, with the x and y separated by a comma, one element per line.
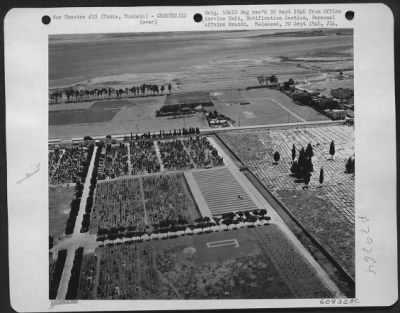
<point>143,204</point>
<point>98,112</point>
<point>68,164</point>
<point>258,263</point>
<point>325,209</point>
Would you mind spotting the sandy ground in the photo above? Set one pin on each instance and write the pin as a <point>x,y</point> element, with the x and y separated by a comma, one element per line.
<point>194,61</point>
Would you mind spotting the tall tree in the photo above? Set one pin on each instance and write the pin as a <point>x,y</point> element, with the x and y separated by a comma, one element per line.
<point>309,151</point>
<point>332,149</point>
<point>307,178</point>
<point>321,176</point>
<point>293,152</point>
<point>277,157</point>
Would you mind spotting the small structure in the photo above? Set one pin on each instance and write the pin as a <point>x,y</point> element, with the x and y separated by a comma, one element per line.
<point>336,114</point>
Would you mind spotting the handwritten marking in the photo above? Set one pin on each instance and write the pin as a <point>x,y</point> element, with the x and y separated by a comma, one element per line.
<point>367,245</point>
<point>29,174</point>
<point>340,301</point>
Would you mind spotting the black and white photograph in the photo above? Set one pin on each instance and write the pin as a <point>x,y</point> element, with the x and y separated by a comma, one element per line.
<point>193,158</point>
<point>210,165</point>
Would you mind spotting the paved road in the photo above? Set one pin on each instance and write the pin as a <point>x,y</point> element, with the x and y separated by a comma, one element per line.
<point>74,242</point>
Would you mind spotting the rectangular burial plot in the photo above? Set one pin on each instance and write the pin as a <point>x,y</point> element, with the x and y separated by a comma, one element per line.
<point>202,153</point>
<point>325,210</point>
<point>188,153</point>
<point>113,161</point>
<point>263,265</point>
<point>143,157</point>
<point>168,200</point>
<point>118,207</point>
<point>222,192</point>
<point>142,204</point>
<point>67,163</point>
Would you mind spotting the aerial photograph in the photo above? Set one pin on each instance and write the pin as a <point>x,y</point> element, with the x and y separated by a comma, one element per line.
<point>201,165</point>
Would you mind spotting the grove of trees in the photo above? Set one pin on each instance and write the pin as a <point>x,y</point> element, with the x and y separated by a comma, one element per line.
<point>303,166</point>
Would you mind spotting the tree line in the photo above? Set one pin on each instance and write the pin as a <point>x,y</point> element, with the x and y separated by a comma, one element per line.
<point>72,95</point>
<point>93,182</point>
<point>56,277</point>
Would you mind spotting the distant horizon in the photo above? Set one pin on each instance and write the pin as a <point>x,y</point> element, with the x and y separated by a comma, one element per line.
<point>88,59</point>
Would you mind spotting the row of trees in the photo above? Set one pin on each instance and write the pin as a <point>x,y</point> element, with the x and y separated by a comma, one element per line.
<point>161,134</point>
<point>72,95</point>
<point>73,283</point>
<point>264,79</point>
<point>75,203</point>
<point>73,213</point>
<point>56,277</point>
<point>167,225</point>
<point>89,201</point>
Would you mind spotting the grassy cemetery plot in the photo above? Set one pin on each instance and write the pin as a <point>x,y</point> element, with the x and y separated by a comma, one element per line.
<point>258,263</point>
<point>322,202</point>
<point>59,207</point>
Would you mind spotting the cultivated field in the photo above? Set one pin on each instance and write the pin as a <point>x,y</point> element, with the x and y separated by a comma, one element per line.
<point>122,116</point>
<point>326,210</point>
<point>258,263</point>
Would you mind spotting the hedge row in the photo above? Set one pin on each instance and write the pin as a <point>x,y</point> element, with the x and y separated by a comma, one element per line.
<point>72,216</point>
<point>55,280</point>
<point>89,201</point>
<point>75,272</point>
